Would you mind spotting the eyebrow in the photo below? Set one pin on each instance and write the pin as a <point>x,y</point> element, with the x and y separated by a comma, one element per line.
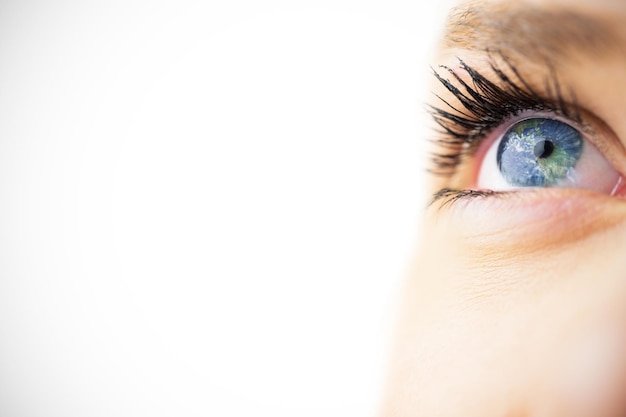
<point>530,31</point>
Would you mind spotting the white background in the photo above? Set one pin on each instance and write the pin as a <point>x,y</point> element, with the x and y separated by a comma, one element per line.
<point>206,208</point>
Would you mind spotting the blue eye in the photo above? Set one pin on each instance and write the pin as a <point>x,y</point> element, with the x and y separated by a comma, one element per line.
<point>539,152</point>
<point>546,152</point>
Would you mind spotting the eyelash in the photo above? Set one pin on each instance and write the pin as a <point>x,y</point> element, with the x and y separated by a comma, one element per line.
<point>485,105</point>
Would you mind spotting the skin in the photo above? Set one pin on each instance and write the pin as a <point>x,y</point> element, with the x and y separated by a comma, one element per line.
<point>516,305</point>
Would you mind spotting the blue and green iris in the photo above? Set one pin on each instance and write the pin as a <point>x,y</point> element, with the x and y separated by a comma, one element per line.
<point>539,152</point>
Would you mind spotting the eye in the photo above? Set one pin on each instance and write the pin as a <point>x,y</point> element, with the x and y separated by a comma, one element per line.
<point>546,152</point>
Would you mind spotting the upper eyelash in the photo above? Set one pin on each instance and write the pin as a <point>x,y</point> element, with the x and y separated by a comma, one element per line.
<point>485,105</point>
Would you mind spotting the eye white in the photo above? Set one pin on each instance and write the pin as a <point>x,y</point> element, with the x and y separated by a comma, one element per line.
<point>592,171</point>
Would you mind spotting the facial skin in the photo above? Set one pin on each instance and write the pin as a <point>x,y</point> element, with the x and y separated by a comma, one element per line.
<point>516,305</point>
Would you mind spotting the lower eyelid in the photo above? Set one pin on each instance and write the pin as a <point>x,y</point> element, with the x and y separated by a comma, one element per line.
<point>533,218</point>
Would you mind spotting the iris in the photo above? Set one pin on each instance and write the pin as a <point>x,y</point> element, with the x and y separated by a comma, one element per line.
<point>539,152</point>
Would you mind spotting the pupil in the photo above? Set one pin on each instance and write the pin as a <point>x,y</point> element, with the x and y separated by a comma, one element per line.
<point>543,149</point>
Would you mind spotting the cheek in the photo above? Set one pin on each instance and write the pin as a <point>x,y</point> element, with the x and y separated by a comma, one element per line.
<point>505,332</point>
<point>589,375</point>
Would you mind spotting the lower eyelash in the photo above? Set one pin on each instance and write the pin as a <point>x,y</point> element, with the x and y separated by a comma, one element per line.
<point>484,105</point>
<point>448,196</point>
